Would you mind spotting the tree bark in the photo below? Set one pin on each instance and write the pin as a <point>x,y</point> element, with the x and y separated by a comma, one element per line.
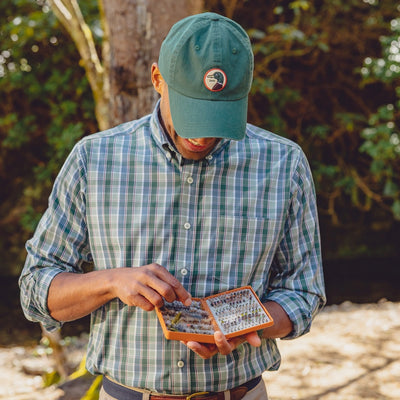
<point>133,32</point>
<point>136,31</point>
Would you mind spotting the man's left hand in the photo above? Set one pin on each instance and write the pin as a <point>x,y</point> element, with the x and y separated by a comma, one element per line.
<point>222,344</point>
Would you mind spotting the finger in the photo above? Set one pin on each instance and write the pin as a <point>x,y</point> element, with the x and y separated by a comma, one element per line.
<point>152,296</point>
<point>141,302</point>
<point>169,287</point>
<point>223,345</point>
<point>204,350</point>
<point>253,339</point>
<point>152,283</point>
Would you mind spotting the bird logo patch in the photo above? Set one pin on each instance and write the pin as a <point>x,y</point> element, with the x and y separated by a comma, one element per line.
<point>215,79</point>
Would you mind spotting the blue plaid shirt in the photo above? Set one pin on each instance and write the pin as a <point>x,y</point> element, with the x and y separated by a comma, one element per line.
<point>245,215</point>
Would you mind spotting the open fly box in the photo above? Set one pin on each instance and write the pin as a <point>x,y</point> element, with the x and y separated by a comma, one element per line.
<point>234,313</point>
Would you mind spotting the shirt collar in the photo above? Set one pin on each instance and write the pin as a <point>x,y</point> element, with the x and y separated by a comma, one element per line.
<point>157,129</point>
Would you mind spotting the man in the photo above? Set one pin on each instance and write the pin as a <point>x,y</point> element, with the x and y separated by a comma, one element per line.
<point>187,202</point>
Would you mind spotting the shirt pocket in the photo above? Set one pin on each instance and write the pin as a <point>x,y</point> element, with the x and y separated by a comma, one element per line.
<point>236,251</point>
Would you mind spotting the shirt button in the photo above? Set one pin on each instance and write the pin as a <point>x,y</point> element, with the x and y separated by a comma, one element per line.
<point>209,157</point>
<point>187,225</point>
<point>184,271</point>
<point>189,180</point>
<point>180,364</point>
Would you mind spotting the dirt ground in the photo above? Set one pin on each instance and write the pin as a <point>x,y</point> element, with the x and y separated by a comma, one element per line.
<point>351,353</point>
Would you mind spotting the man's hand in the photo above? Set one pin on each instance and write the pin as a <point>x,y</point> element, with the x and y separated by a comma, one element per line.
<point>72,296</point>
<point>222,344</point>
<point>281,328</point>
<point>146,286</point>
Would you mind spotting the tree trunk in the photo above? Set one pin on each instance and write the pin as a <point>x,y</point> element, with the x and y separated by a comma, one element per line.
<point>136,30</point>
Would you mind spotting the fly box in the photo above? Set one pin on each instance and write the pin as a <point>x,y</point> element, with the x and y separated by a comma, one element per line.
<point>234,313</point>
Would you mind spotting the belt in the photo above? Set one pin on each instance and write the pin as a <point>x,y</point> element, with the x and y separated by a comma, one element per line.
<point>120,392</point>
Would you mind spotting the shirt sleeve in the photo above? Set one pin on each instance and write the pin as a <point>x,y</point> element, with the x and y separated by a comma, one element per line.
<point>296,281</point>
<point>60,243</point>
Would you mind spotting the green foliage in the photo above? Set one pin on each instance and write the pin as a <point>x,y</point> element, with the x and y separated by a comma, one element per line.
<point>382,134</point>
<point>327,76</point>
<point>46,107</point>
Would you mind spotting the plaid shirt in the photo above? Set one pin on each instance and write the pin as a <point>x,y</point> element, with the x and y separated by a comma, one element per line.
<point>245,215</point>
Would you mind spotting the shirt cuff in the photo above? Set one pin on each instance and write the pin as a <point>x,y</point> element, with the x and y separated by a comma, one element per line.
<point>297,308</point>
<point>35,305</point>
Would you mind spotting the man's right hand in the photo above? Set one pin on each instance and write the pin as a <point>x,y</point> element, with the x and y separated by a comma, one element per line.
<point>72,296</point>
<point>146,286</point>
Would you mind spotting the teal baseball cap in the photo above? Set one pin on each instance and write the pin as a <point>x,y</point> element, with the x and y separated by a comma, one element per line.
<point>207,62</point>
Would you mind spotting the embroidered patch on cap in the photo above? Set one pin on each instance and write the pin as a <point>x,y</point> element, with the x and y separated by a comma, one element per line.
<point>215,79</point>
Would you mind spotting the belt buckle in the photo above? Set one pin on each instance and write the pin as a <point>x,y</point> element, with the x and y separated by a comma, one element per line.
<point>194,395</point>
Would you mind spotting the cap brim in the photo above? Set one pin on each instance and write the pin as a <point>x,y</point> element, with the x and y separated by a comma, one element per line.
<point>196,118</point>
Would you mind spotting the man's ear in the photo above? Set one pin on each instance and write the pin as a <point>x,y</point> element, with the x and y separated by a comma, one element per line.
<point>156,78</point>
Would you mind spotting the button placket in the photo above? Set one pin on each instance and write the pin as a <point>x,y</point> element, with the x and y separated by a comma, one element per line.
<point>188,215</point>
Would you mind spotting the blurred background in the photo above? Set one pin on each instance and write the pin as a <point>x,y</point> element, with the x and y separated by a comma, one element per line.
<point>327,75</point>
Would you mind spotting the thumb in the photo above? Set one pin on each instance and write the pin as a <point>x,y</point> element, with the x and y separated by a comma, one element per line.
<point>253,339</point>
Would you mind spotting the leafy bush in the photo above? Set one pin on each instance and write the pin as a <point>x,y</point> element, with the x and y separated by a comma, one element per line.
<point>327,76</point>
<point>46,107</point>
